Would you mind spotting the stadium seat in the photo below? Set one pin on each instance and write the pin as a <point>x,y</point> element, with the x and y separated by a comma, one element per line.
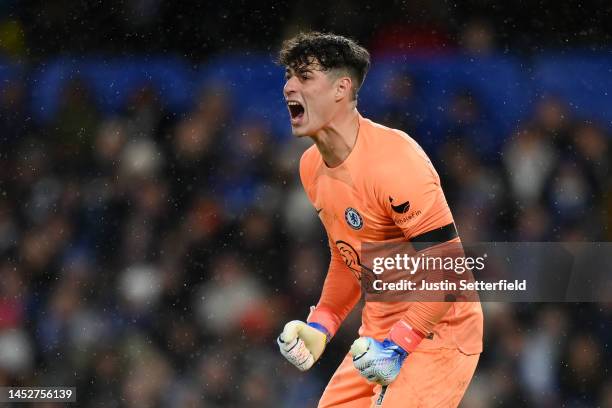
<point>582,79</point>
<point>255,83</point>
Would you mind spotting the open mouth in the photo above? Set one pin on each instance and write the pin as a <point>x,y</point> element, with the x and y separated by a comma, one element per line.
<point>296,110</point>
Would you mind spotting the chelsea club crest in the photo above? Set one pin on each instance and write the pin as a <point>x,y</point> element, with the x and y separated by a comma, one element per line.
<point>353,219</point>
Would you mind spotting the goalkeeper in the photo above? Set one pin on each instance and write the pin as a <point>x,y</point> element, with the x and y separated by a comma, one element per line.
<point>371,183</point>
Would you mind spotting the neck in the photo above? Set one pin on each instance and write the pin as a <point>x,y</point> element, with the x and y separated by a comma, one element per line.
<point>337,139</point>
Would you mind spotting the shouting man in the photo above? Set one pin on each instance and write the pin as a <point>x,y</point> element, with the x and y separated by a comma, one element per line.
<point>371,183</point>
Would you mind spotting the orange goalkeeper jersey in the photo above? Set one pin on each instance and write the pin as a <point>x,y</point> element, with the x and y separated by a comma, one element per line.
<point>386,190</point>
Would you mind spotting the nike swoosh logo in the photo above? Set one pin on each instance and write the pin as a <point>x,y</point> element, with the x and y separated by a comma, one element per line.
<point>401,208</point>
<point>319,210</point>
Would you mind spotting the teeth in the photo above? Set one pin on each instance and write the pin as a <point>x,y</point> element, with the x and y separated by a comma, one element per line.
<point>293,103</point>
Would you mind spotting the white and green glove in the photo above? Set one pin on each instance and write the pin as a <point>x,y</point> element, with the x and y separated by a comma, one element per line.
<point>303,343</point>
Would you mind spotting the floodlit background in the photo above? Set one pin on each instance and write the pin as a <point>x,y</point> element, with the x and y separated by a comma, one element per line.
<point>154,236</point>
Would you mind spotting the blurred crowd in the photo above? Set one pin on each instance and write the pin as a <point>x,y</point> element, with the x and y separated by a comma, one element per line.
<point>150,258</point>
<point>33,29</point>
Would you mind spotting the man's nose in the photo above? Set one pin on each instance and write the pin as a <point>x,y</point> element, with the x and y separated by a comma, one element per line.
<point>290,86</point>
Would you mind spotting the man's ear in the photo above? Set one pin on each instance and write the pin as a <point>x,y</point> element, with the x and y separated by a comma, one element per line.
<point>344,88</point>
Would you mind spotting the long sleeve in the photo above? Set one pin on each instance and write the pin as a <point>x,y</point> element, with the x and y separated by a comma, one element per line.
<point>416,204</point>
<point>341,292</point>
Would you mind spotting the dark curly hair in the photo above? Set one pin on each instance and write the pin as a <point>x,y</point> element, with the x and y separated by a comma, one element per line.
<point>330,52</point>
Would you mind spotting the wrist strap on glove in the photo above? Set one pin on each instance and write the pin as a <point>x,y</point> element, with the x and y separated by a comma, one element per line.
<point>322,329</point>
<point>405,336</point>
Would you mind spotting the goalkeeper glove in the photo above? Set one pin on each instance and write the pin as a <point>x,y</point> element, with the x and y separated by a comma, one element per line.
<point>302,344</point>
<point>379,362</point>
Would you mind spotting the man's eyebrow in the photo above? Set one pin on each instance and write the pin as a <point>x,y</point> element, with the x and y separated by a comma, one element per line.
<point>304,70</point>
